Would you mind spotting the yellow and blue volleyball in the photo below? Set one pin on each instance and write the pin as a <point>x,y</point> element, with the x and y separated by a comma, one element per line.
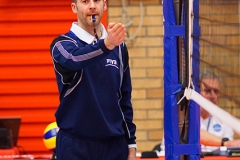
<point>50,134</point>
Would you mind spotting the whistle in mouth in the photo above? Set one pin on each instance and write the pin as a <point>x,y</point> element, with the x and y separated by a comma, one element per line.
<point>93,18</point>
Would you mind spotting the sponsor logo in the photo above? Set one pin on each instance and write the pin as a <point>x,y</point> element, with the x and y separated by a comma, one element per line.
<point>112,63</point>
<point>217,127</point>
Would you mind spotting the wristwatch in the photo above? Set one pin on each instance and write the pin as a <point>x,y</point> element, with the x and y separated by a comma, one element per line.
<point>224,140</point>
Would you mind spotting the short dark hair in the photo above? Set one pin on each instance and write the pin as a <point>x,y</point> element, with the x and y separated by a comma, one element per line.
<point>74,1</point>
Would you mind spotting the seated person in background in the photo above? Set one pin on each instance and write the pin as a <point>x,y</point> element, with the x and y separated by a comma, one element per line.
<point>210,89</point>
<point>213,132</point>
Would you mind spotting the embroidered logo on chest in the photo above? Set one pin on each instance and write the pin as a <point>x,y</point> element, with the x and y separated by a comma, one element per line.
<point>112,63</point>
<point>217,127</point>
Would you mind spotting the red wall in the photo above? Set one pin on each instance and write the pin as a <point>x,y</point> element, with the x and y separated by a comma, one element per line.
<point>28,88</point>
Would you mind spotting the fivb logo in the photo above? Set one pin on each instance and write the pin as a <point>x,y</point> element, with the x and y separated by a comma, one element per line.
<point>112,62</point>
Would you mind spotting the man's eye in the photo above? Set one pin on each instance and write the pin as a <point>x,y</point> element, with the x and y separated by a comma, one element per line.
<point>216,91</point>
<point>207,90</point>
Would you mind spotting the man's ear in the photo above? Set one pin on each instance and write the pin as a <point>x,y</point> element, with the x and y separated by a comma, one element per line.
<point>105,5</point>
<point>74,7</point>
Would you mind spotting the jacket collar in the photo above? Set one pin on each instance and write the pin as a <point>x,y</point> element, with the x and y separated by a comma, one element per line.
<point>84,35</point>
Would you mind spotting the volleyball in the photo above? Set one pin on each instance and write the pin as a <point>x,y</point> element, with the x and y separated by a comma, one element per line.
<point>50,134</point>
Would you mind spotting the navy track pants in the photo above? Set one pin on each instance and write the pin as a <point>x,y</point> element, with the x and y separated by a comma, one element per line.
<point>71,147</point>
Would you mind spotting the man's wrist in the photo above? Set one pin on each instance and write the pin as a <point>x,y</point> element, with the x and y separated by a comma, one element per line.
<point>108,44</point>
<point>132,146</point>
<point>224,140</point>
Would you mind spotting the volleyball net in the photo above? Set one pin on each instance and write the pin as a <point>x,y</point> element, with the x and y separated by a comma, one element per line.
<point>186,55</point>
<point>220,48</point>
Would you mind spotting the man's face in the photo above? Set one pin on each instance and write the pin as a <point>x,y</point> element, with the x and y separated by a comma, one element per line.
<point>210,89</point>
<point>85,9</point>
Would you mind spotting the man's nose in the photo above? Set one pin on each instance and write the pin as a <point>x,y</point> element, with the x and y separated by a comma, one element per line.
<point>213,96</point>
<point>92,4</point>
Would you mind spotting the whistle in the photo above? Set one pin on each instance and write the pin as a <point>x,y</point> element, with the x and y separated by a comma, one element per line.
<point>93,18</point>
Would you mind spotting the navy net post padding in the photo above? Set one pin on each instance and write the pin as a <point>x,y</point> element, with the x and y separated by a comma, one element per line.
<point>173,148</point>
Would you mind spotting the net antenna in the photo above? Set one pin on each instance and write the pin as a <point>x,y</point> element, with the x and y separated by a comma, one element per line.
<point>213,109</point>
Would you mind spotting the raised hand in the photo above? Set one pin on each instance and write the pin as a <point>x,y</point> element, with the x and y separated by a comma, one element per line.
<point>116,35</point>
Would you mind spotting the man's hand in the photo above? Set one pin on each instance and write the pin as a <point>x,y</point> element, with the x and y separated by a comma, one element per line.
<point>116,35</point>
<point>131,154</point>
<point>232,143</point>
<point>209,139</point>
